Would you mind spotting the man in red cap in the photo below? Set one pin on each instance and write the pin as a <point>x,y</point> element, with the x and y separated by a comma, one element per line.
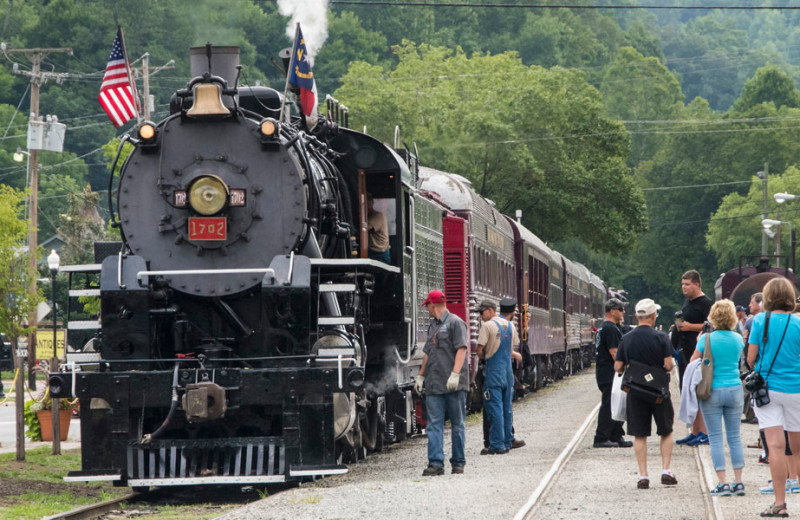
<point>444,375</point>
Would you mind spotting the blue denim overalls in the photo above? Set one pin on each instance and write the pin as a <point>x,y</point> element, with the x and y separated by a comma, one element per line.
<point>498,390</point>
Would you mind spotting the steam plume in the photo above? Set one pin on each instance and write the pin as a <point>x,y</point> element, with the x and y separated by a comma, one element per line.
<point>312,15</point>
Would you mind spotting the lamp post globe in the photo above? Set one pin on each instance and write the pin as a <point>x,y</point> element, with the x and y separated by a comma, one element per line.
<point>53,262</point>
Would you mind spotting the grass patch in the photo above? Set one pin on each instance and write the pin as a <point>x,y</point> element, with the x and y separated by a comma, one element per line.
<point>38,505</point>
<point>34,488</point>
<point>310,499</point>
<point>40,464</point>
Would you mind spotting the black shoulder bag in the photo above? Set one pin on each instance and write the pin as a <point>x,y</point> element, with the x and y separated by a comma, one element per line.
<point>754,382</point>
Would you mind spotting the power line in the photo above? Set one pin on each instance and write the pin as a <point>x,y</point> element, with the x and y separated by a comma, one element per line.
<point>394,3</point>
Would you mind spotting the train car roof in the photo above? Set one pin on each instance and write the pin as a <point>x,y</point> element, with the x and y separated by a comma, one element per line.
<point>528,236</point>
<point>583,271</point>
<point>362,151</point>
<point>455,192</point>
<point>596,281</point>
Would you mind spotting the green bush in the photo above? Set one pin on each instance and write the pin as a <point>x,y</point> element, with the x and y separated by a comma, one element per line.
<point>34,429</point>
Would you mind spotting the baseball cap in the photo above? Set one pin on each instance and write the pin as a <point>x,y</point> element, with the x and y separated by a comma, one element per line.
<point>741,308</point>
<point>486,304</point>
<point>435,296</point>
<point>647,307</point>
<point>615,304</point>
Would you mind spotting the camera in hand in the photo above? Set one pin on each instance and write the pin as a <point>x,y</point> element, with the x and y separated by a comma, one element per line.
<point>757,386</point>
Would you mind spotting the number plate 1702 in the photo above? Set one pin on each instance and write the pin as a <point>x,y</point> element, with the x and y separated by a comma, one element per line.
<point>208,228</point>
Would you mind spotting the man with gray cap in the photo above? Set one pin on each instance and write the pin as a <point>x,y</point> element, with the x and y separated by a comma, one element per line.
<point>651,347</point>
<point>609,432</point>
<point>495,340</point>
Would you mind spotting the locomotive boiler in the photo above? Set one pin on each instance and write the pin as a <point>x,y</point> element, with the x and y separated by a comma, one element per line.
<point>242,338</point>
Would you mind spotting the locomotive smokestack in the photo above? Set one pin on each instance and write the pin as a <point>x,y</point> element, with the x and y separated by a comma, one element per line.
<point>223,62</point>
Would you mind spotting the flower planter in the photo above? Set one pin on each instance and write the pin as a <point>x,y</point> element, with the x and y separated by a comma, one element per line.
<point>46,420</point>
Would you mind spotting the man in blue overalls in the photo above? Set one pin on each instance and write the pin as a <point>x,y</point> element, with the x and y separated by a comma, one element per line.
<point>494,346</point>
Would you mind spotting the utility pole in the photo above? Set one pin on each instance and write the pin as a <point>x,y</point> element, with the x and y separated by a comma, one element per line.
<point>146,85</point>
<point>763,176</point>
<point>37,78</point>
<point>147,107</point>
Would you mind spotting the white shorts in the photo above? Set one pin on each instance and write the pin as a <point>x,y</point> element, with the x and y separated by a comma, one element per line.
<point>783,410</point>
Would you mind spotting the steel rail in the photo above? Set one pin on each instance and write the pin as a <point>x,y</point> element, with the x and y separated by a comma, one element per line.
<point>526,512</point>
<point>93,511</point>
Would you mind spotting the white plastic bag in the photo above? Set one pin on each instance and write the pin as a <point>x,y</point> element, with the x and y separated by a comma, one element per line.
<point>619,399</point>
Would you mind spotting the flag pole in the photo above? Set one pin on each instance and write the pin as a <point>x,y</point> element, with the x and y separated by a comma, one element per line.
<point>134,90</point>
<point>289,71</point>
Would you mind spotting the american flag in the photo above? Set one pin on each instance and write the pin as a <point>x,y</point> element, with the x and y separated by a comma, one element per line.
<point>118,93</point>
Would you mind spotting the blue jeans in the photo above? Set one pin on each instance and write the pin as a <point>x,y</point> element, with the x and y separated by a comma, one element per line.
<point>454,404</point>
<point>726,404</point>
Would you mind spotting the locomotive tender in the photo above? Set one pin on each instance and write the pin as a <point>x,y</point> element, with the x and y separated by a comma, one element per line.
<point>244,335</point>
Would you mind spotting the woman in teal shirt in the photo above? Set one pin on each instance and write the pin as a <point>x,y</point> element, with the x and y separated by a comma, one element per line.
<point>776,356</point>
<point>727,398</point>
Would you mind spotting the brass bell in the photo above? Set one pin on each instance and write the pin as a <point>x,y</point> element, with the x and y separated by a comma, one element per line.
<point>208,101</point>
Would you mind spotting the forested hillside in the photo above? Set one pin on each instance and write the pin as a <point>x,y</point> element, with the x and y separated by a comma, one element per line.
<point>630,138</point>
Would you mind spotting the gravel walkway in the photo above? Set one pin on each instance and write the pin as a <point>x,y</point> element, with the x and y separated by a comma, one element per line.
<point>595,484</point>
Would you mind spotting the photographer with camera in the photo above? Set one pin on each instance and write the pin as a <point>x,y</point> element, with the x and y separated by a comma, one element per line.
<point>774,353</point>
<point>727,399</point>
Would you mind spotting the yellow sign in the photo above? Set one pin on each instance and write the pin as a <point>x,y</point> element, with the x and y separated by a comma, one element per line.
<point>44,344</point>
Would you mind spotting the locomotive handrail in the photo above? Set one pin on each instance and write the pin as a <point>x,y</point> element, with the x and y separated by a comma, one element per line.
<point>178,272</point>
<point>339,360</point>
<point>291,268</point>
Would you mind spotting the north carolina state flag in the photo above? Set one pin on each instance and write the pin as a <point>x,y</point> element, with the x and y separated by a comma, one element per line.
<point>302,77</point>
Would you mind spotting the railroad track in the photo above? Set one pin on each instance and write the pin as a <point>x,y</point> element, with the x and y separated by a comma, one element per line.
<point>93,511</point>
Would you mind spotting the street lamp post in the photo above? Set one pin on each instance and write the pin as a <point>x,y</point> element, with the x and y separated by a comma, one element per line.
<point>780,198</point>
<point>53,261</point>
<point>768,223</point>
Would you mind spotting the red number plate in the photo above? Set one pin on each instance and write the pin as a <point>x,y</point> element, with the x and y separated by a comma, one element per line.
<point>208,228</point>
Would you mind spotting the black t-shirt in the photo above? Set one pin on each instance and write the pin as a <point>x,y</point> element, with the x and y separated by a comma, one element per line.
<point>694,311</point>
<point>645,345</point>
<point>608,337</point>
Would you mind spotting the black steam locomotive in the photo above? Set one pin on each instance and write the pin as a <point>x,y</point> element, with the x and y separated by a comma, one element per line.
<point>244,334</point>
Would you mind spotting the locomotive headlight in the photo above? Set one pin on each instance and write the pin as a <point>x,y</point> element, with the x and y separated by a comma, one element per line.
<point>208,194</point>
<point>147,131</point>
<point>269,128</point>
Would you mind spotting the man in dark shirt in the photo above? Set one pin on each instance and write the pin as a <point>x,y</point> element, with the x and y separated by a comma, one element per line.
<point>609,432</point>
<point>653,348</point>
<point>695,312</point>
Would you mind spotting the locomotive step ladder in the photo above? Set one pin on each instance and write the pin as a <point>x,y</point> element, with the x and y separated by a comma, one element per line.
<point>334,289</point>
<point>83,282</point>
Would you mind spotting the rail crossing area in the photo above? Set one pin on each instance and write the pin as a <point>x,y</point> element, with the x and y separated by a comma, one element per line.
<point>558,475</point>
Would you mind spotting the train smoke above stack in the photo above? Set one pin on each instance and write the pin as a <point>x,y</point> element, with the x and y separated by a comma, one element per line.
<point>312,15</point>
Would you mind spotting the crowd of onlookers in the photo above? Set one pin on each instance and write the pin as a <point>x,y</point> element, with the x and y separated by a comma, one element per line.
<point>749,358</point>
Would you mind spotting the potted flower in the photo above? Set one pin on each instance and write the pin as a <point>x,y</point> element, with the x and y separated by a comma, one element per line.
<point>39,418</point>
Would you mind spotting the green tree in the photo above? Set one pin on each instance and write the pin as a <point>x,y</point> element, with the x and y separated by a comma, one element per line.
<point>15,274</point>
<point>528,138</point>
<point>639,90</point>
<point>735,228</point>
<point>771,84</point>
<point>347,41</point>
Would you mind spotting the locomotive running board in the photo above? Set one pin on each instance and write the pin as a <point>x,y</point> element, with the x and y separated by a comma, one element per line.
<point>191,481</point>
<point>311,471</point>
